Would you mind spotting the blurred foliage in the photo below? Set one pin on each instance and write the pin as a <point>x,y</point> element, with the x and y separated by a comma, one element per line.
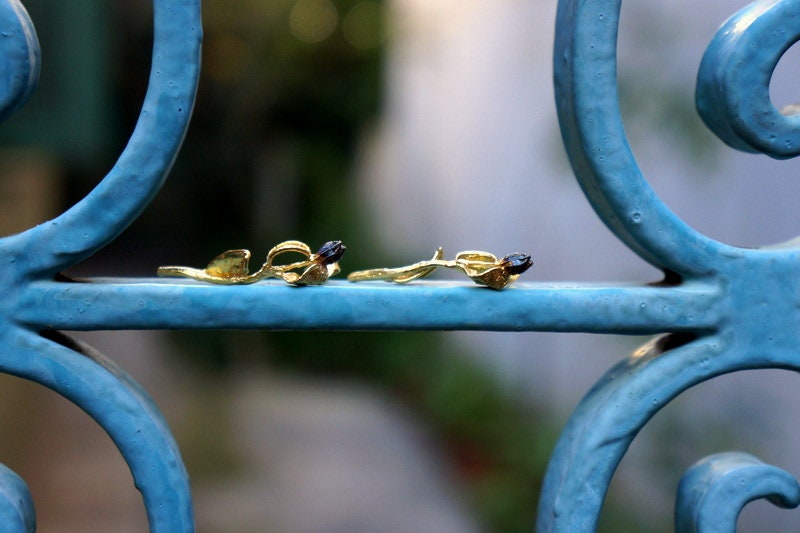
<point>280,113</point>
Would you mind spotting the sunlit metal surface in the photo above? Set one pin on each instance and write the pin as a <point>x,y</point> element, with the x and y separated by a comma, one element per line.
<point>721,308</point>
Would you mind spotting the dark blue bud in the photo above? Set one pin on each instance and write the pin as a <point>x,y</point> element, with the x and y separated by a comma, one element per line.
<point>517,263</point>
<point>330,252</point>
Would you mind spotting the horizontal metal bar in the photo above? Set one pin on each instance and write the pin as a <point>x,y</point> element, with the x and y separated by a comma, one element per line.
<point>155,303</point>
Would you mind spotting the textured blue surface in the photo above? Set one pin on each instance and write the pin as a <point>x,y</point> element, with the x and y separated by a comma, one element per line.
<point>723,308</point>
<point>157,303</point>
<point>758,318</point>
<point>713,491</point>
<point>20,63</point>
<point>85,378</point>
<point>733,83</point>
<point>16,505</point>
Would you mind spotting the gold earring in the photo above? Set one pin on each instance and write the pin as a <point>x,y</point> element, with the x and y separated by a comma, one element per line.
<point>232,267</point>
<point>482,267</point>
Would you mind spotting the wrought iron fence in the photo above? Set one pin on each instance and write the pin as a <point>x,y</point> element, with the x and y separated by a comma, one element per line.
<point>718,309</point>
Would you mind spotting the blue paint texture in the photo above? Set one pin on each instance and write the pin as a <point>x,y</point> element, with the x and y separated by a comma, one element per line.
<point>19,57</point>
<point>714,490</point>
<point>733,82</point>
<point>756,290</point>
<point>16,504</point>
<point>720,308</point>
<point>93,383</point>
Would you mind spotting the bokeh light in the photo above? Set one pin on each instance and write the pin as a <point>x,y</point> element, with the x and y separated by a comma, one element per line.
<point>313,21</point>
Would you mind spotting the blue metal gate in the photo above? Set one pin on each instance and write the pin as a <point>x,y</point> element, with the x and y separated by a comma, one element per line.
<point>718,310</point>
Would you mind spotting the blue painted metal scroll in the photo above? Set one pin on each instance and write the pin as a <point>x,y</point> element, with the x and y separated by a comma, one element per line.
<point>721,308</point>
<point>39,353</point>
<point>756,291</point>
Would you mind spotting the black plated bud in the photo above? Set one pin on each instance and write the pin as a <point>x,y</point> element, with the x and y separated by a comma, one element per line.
<point>330,252</point>
<point>517,263</point>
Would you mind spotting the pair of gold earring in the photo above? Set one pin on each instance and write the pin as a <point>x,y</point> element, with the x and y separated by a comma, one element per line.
<point>232,267</point>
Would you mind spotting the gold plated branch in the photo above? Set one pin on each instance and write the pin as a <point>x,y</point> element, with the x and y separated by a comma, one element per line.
<point>482,267</point>
<point>232,267</point>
